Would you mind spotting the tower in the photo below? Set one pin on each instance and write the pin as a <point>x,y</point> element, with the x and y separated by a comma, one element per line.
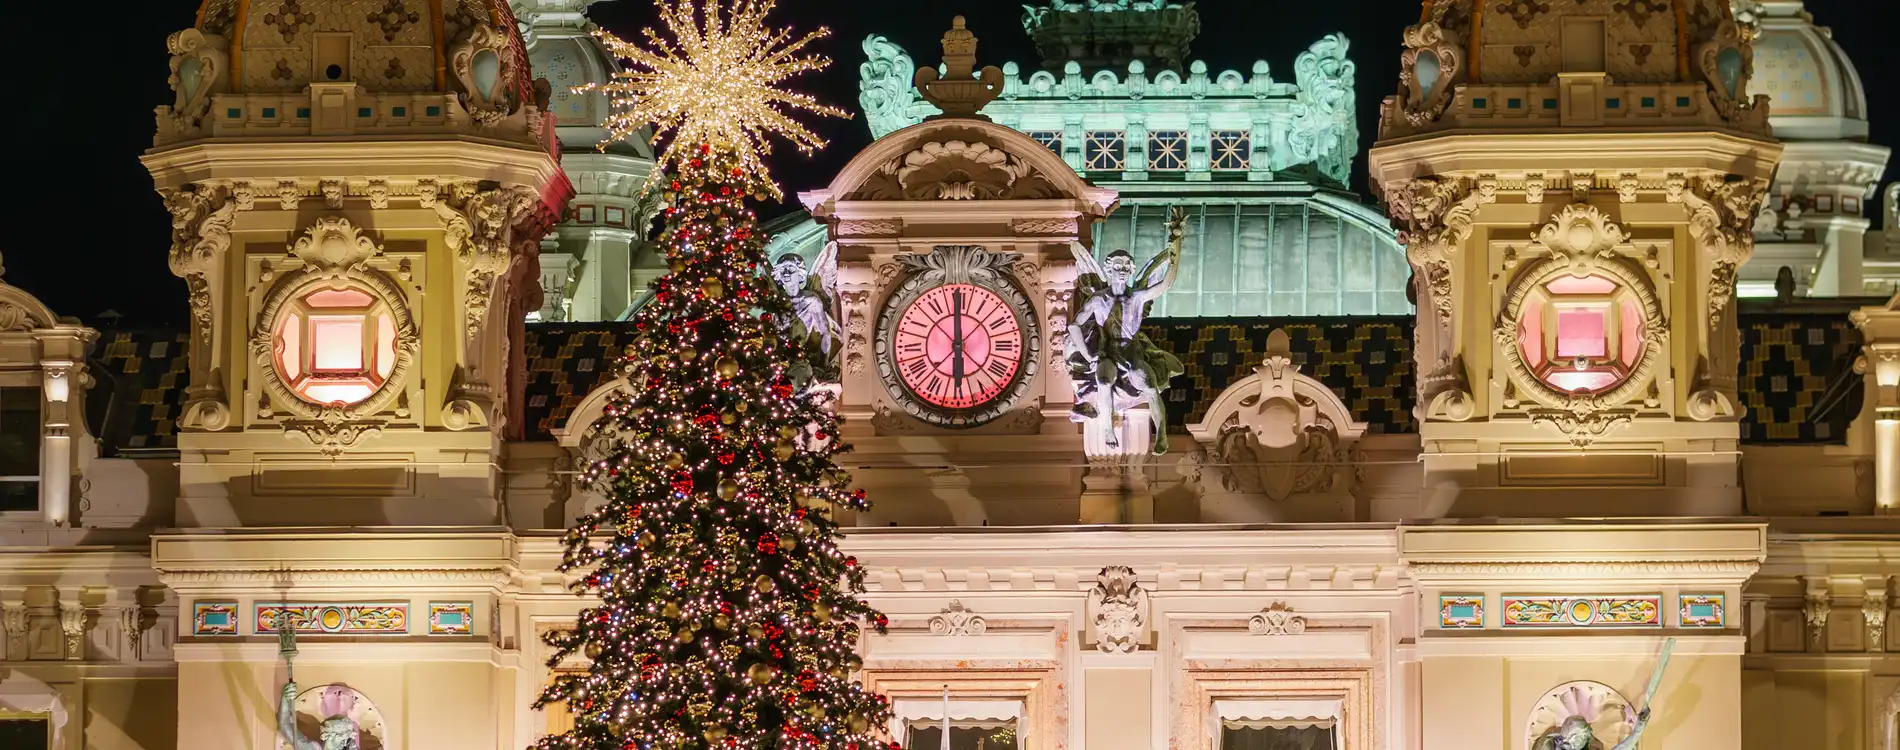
<point>357,202</point>
<point>1576,186</point>
<point>596,263</point>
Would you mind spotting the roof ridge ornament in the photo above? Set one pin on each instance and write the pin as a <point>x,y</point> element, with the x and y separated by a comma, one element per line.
<point>961,90</point>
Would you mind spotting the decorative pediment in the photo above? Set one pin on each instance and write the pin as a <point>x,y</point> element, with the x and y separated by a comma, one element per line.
<point>1277,432</point>
<point>20,311</point>
<point>958,160</point>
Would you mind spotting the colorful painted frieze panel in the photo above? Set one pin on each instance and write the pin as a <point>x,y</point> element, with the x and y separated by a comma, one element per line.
<point>1460,612</point>
<point>214,618</point>
<point>336,619</point>
<point>451,618</point>
<point>1582,612</point>
<point>1703,611</point>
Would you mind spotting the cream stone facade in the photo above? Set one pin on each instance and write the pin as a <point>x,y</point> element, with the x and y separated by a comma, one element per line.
<point>1585,455</point>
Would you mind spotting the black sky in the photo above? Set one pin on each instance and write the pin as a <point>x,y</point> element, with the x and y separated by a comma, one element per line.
<point>88,233</point>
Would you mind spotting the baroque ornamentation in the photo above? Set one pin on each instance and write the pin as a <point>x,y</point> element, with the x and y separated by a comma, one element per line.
<point>884,88</point>
<point>1118,606</point>
<point>1035,227</point>
<point>1815,607</point>
<point>1581,241</point>
<point>1435,215</point>
<point>480,225</point>
<point>202,215</point>
<point>1591,711</point>
<point>1433,62</point>
<point>73,619</point>
<point>1873,611</point>
<point>1270,434</point>
<point>956,170</point>
<point>335,254</point>
<point>813,323</point>
<point>871,228</point>
<point>1323,130</point>
<point>1276,619</point>
<point>1722,217</point>
<point>960,90</point>
<point>200,69</point>
<point>957,619</point>
<point>487,90</point>
<point>1726,62</point>
<point>857,343</point>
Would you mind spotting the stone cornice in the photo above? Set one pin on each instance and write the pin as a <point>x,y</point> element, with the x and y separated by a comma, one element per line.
<point>474,159</point>
<point>1515,153</point>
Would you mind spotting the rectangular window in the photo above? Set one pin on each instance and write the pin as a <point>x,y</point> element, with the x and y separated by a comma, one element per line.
<point>1233,151</point>
<point>1105,151</point>
<point>25,732</point>
<point>19,450</point>
<point>1167,150</point>
<point>337,343</point>
<point>1049,138</point>
<point>1580,333</point>
<point>1249,735</point>
<point>964,735</point>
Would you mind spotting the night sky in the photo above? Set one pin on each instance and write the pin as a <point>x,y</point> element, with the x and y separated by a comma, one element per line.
<point>88,233</point>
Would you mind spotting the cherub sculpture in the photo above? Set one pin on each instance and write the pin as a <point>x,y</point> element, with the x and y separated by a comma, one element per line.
<point>1113,365</point>
<point>813,322</point>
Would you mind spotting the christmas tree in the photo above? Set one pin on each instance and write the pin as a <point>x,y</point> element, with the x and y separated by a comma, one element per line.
<point>728,615</point>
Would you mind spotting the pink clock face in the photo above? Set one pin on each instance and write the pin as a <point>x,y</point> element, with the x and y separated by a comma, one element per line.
<point>958,346</point>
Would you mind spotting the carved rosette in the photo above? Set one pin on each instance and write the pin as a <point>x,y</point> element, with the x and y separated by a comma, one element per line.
<point>1276,619</point>
<point>1434,215</point>
<point>1581,241</point>
<point>335,254</point>
<point>202,215</point>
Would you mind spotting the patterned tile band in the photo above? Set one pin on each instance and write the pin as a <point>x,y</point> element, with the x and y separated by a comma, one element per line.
<point>1703,611</point>
<point>451,618</point>
<point>1582,612</point>
<point>336,619</point>
<point>1461,612</point>
<point>214,618</point>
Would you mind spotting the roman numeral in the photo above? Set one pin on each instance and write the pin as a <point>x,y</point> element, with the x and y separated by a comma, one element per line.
<point>916,367</point>
<point>998,367</point>
<point>1004,345</point>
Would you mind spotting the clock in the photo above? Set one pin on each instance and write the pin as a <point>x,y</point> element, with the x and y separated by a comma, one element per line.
<point>958,341</point>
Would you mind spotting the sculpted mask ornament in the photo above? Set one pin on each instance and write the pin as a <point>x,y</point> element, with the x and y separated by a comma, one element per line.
<point>814,319</point>
<point>1113,365</point>
<point>1119,607</point>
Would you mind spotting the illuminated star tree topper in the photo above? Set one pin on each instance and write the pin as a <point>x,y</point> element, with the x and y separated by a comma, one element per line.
<point>713,78</point>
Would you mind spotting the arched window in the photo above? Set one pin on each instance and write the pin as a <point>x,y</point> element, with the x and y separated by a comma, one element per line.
<point>1581,334</point>
<point>335,346</point>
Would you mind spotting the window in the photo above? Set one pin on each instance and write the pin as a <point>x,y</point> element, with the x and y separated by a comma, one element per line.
<point>336,346</point>
<point>1049,138</point>
<point>1581,334</point>
<point>1233,150</point>
<point>1277,724</point>
<point>25,732</point>
<point>19,450</point>
<point>965,734</point>
<point>1270,735</point>
<point>1103,152</point>
<point>1167,150</point>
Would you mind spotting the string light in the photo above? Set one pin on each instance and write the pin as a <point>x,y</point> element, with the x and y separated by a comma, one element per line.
<point>713,77</point>
<point>728,619</point>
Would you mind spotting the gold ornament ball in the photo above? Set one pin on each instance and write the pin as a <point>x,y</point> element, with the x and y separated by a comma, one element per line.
<point>646,539</point>
<point>755,631</point>
<point>764,584</point>
<point>783,450</point>
<point>721,621</point>
<point>859,724</point>
<point>761,674</point>
<point>728,489</point>
<point>728,367</point>
<point>671,611</point>
<point>676,265</point>
<point>728,418</point>
<point>788,432</point>
<point>593,651</point>
<point>712,288</point>
<point>788,543</point>
<point>688,354</point>
<point>821,613</point>
<point>674,461</point>
<point>741,407</point>
<point>715,734</point>
<point>686,635</point>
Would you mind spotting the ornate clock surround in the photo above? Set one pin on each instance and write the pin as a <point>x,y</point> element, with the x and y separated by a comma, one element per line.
<point>959,264</point>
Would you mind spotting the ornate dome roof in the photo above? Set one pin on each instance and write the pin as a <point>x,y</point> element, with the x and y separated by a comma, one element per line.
<point>1638,41</point>
<point>383,46</point>
<point>1816,91</point>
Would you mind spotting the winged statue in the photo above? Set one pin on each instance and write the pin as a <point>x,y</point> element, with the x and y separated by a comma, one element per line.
<point>1115,367</point>
<point>814,321</point>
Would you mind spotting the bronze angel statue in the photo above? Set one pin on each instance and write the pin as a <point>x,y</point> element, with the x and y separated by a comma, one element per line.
<point>813,322</point>
<point>1114,366</point>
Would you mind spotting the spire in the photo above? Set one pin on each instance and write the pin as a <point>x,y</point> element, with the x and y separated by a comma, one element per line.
<point>1112,33</point>
<point>960,91</point>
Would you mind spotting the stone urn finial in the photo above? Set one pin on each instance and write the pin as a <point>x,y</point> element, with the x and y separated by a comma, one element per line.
<point>961,90</point>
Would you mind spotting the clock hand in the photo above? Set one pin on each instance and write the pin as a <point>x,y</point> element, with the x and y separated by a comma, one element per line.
<point>956,346</point>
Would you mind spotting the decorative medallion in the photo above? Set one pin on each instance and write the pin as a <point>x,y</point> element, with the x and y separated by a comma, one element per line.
<point>1598,707</point>
<point>1461,612</point>
<point>451,618</point>
<point>214,618</point>
<point>958,343</point>
<point>1703,611</point>
<point>1583,612</point>
<point>336,619</point>
<point>1276,619</point>
<point>957,619</point>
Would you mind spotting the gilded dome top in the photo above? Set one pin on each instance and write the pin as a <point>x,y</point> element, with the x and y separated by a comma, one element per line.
<point>380,45</point>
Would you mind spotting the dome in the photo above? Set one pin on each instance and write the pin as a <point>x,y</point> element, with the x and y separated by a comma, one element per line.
<point>383,46</point>
<point>1817,94</point>
<point>1635,41</point>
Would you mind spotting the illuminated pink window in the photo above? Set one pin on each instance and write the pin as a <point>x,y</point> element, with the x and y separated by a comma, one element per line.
<point>336,346</point>
<point>1581,334</point>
